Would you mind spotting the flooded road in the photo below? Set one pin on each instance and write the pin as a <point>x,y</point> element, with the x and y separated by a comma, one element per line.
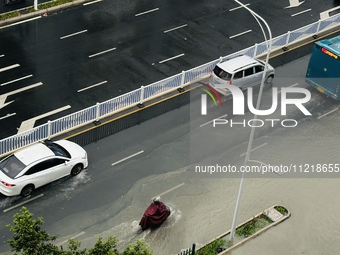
<point>204,205</point>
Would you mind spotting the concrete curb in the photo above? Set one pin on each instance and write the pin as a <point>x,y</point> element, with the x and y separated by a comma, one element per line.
<point>29,15</point>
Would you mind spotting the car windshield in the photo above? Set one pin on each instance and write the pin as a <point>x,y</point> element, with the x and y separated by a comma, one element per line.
<point>221,73</point>
<point>58,150</point>
<point>11,166</point>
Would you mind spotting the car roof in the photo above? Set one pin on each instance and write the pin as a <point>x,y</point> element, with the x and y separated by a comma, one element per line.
<point>33,153</point>
<point>236,63</point>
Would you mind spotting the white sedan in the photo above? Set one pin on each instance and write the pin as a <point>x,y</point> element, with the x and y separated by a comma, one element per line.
<point>40,164</point>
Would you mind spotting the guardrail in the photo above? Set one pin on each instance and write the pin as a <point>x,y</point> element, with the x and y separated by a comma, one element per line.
<point>146,93</point>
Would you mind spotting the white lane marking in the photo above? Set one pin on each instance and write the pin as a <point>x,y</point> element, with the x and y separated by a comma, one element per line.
<point>92,86</point>
<point>77,33</point>
<point>258,147</point>
<point>142,13</point>
<point>328,113</point>
<point>126,158</point>
<point>239,7</point>
<point>29,124</point>
<point>102,52</point>
<point>300,12</point>
<point>8,67</point>
<point>165,60</point>
<point>245,32</point>
<point>93,2</point>
<point>175,28</point>
<point>295,84</point>
<point>72,237</point>
<point>20,22</point>
<point>1,56</point>
<point>19,79</point>
<point>204,124</point>
<point>169,190</point>
<point>3,97</point>
<point>7,116</point>
<point>22,203</point>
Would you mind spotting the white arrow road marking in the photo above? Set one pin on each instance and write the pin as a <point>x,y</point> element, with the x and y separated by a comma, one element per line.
<point>29,124</point>
<point>3,97</point>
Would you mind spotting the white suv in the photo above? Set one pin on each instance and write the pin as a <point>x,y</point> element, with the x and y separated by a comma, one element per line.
<point>242,71</point>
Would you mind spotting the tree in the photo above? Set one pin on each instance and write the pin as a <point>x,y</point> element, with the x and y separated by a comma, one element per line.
<point>30,239</point>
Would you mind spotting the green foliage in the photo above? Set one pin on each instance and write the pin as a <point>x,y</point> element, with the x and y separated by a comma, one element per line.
<point>211,248</point>
<point>138,248</point>
<point>252,226</point>
<point>30,239</point>
<point>281,209</point>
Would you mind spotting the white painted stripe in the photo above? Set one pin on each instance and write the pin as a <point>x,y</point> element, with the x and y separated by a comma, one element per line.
<point>8,67</point>
<point>19,79</point>
<point>300,12</point>
<point>7,116</point>
<point>169,190</point>
<point>128,157</point>
<point>245,32</point>
<point>294,85</point>
<point>175,28</point>
<point>77,33</point>
<point>239,7</point>
<point>204,124</point>
<point>29,124</point>
<point>258,147</point>
<point>1,56</point>
<point>23,89</point>
<point>20,22</point>
<point>165,60</point>
<point>22,203</point>
<point>102,52</point>
<point>328,113</point>
<point>138,14</point>
<point>92,86</point>
<point>93,2</point>
<point>72,237</point>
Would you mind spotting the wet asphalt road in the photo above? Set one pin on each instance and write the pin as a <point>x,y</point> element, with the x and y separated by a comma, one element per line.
<point>96,201</point>
<point>88,202</point>
<point>59,67</point>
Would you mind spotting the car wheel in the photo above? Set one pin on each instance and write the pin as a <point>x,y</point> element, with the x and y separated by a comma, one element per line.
<point>27,190</point>
<point>76,169</point>
<point>269,79</point>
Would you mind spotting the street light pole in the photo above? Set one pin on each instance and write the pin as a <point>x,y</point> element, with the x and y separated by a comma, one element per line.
<point>252,132</point>
<point>36,5</point>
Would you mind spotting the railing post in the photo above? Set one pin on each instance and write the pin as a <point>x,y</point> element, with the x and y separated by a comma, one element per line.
<point>193,249</point>
<point>255,50</point>
<point>97,122</point>
<point>180,88</point>
<point>317,29</point>
<point>287,41</point>
<point>49,131</point>
<point>141,105</point>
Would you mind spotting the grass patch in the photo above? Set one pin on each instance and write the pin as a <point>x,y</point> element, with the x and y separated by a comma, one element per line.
<point>212,248</point>
<point>253,226</point>
<point>281,209</point>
